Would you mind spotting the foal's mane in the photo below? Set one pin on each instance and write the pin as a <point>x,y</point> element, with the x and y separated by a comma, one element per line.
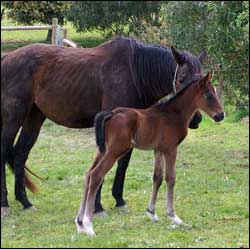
<point>162,103</point>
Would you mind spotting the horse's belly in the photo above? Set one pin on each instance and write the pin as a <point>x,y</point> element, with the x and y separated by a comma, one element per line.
<point>69,111</point>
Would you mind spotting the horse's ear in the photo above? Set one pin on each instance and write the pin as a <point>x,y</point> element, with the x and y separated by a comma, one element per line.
<point>179,58</point>
<point>202,56</point>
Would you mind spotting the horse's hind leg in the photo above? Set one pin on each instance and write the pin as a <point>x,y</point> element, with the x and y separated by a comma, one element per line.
<point>28,136</point>
<point>157,180</point>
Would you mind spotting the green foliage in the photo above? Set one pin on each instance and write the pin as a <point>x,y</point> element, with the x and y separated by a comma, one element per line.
<point>29,12</point>
<point>117,17</point>
<point>222,28</point>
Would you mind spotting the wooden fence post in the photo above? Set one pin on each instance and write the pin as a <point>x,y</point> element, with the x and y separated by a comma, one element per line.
<point>54,28</point>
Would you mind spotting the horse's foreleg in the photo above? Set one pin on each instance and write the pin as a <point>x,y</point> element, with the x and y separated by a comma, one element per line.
<point>170,179</point>
<point>157,180</point>
<point>117,189</point>
<point>8,134</point>
<point>96,177</point>
<point>28,136</point>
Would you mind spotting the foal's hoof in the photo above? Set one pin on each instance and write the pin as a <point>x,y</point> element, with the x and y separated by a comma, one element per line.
<point>5,211</point>
<point>89,229</point>
<point>153,217</point>
<point>79,226</point>
<point>122,209</point>
<point>101,214</point>
<point>175,219</point>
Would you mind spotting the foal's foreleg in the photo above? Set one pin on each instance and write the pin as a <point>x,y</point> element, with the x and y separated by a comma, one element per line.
<point>170,179</point>
<point>157,180</point>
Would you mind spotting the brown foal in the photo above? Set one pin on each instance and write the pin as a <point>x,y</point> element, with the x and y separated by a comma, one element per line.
<point>161,128</point>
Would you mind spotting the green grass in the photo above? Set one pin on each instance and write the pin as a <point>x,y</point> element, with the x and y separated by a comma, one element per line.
<point>211,194</point>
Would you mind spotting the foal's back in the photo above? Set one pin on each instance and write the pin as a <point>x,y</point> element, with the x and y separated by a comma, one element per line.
<point>145,129</point>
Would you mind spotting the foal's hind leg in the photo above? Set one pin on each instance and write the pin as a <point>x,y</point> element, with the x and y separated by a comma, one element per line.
<point>96,177</point>
<point>79,217</point>
<point>28,136</point>
<point>157,180</point>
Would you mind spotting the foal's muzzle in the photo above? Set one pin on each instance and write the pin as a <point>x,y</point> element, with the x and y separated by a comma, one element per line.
<point>219,117</point>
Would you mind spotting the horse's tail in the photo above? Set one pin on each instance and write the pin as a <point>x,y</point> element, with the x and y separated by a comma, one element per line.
<point>27,179</point>
<point>100,120</point>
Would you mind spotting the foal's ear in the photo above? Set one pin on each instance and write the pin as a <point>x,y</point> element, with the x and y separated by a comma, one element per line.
<point>206,78</point>
<point>179,58</point>
<point>202,56</point>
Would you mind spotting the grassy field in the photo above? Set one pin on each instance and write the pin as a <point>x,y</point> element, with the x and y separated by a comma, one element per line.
<point>212,194</point>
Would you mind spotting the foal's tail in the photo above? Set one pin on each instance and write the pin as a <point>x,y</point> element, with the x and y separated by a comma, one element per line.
<point>100,120</point>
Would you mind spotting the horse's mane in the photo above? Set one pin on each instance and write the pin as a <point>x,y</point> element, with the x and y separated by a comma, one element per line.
<point>152,68</point>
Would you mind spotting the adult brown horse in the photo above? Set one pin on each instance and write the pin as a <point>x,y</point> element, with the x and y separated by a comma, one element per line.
<point>69,86</point>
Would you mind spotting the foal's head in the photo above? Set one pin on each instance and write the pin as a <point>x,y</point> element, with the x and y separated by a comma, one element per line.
<point>207,100</point>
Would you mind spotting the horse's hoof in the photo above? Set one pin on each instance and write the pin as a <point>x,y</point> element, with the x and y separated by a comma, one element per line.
<point>122,209</point>
<point>175,219</point>
<point>5,211</point>
<point>153,217</point>
<point>101,214</point>
<point>32,208</point>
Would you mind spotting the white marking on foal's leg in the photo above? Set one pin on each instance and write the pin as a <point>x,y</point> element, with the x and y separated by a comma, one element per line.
<point>174,218</point>
<point>79,226</point>
<point>152,216</point>
<point>88,226</point>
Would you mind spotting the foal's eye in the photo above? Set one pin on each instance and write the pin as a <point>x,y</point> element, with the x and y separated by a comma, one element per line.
<point>209,97</point>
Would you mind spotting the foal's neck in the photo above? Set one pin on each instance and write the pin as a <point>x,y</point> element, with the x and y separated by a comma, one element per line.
<point>184,103</point>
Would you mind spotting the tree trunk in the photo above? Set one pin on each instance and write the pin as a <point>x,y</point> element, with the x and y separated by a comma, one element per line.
<point>49,36</point>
